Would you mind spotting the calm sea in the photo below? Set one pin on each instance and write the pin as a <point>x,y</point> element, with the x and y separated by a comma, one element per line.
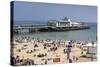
<point>79,35</point>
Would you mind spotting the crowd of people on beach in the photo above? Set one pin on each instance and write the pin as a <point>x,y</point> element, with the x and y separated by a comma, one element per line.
<point>17,61</point>
<point>53,45</point>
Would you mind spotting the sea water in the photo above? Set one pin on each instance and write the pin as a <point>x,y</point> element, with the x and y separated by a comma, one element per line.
<point>78,35</point>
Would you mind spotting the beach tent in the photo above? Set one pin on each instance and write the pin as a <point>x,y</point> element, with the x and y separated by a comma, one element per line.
<point>35,45</point>
<point>90,51</point>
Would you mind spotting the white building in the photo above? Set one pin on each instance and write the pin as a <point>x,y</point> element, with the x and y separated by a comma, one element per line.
<point>74,24</point>
<point>66,22</point>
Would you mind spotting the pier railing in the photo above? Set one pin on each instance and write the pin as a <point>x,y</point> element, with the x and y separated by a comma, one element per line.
<point>32,26</point>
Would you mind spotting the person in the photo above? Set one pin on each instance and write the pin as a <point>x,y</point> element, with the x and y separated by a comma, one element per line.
<point>44,46</point>
<point>76,58</point>
<point>68,55</point>
<point>31,51</point>
<point>45,54</point>
<point>13,61</point>
<point>45,61</point>
<point>17,59</point>
<point>92,43</point>
<point>70,60</point>
<point>69,49</point>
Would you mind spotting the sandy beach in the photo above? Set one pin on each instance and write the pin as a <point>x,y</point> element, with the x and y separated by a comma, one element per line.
<point>31,51</point>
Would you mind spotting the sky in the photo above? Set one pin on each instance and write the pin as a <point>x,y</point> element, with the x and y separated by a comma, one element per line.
<point>33,11</point>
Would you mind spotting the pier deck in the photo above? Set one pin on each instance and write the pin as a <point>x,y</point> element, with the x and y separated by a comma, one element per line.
<point>46,28</point>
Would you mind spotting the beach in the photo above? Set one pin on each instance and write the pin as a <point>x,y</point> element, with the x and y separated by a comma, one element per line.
<point>32,51</point>
<point>46,33</point>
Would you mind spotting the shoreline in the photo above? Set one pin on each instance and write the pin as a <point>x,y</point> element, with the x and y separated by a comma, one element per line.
<point>31,36</point>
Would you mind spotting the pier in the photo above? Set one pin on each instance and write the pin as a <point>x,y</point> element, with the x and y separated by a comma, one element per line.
<point>30,28</point>
<point>53,25</point>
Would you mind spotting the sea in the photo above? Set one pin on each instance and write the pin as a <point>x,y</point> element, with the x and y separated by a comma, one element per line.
<point>78,35</point>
